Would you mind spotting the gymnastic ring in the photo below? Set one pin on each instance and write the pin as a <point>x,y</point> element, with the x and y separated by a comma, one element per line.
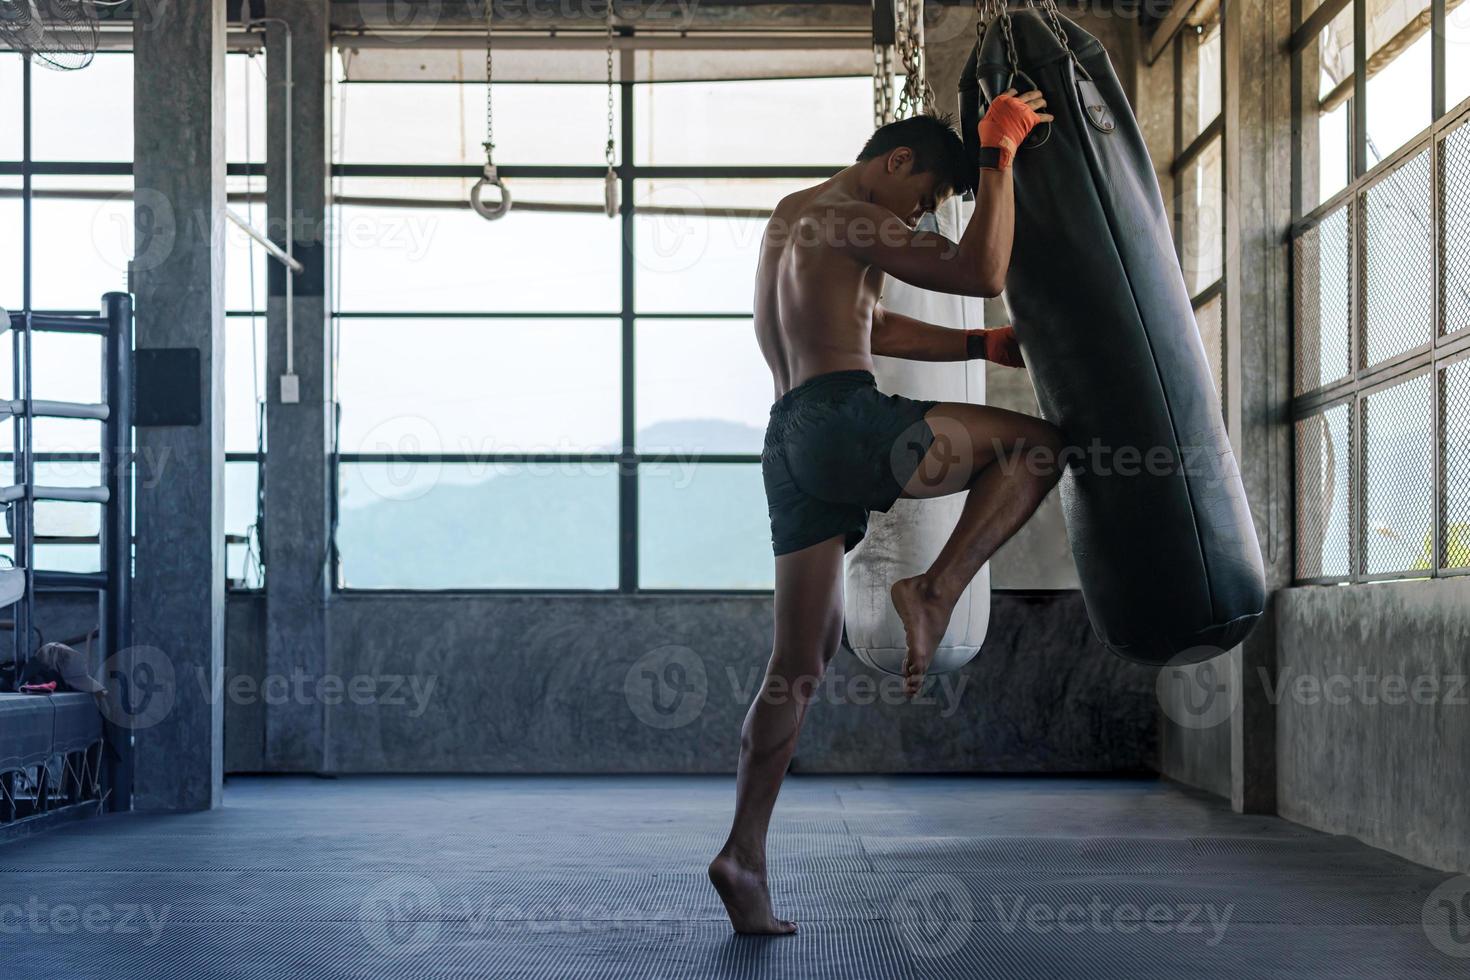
<point>490,212</point>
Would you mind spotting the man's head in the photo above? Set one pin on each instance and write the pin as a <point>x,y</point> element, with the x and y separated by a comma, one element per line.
<point>916,163</point>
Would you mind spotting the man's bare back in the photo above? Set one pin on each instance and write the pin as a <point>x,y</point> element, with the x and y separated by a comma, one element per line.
<point>813,301</point>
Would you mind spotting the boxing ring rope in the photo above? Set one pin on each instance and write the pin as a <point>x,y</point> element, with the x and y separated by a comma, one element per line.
<point>75,495</point>
<point>19,584</point>
<point>40,408</point>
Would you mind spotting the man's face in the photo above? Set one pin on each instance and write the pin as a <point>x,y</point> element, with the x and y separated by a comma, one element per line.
<point>907,193</point>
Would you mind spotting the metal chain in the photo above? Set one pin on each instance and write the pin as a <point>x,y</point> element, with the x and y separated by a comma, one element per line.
<point>983,17</point>
<point>489,143</point>
<point>1005,26</point>
<point>882,85</point>
<point>491,175</point>
<point>611,144</point>
<point>917,95</point>
<point>987,12</point>
<point>610,188</point>
<point>1049,8</point>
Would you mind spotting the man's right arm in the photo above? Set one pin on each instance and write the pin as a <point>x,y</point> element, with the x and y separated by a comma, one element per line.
<point>977,264</point>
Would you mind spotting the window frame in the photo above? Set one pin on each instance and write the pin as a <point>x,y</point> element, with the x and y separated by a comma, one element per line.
<point>1432,357</point>
<point>628,459</point>
<point>1211,132</point>
<point>28,168</point>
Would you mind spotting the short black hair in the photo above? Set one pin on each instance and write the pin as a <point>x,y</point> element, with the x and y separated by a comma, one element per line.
<point>936,144</point>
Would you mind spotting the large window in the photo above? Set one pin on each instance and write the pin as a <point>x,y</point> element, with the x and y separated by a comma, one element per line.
<point>66,235</point>
<point>559,400</point>
<point>1381,274</point>
<point>1199,182</point>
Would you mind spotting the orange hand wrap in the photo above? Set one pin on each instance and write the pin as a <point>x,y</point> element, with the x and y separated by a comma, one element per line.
<point>999,346</point>
<point>1006,125</point>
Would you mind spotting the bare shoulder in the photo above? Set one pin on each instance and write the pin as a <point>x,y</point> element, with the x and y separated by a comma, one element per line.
<point>836,202</point>
<point>827,215</point>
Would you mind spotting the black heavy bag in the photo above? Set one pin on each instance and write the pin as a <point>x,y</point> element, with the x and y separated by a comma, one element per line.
<point>1156,513</point>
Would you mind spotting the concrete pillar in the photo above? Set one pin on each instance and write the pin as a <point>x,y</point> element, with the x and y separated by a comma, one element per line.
<point>299,423</point>
<point>178,279</point>
<point>1258,129</point>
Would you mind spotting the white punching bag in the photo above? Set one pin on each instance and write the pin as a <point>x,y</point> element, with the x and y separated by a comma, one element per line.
<point>904,541</point>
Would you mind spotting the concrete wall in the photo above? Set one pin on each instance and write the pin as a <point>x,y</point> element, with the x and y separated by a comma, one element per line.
<point>1373,714</point>
<point>62,616</point>
<point>661,684</point>
<point>426,683</point>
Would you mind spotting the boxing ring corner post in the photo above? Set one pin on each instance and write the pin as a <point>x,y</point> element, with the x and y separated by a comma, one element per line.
<point>117,535</point>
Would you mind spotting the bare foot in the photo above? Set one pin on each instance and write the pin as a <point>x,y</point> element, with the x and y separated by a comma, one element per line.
<point>746,899</point>
<point>925,618</point>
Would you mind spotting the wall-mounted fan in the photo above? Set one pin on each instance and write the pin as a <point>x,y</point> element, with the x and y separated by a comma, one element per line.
<point>60,34</point>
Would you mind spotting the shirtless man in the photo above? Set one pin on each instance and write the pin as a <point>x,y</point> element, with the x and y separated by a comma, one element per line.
<point>837,448</point>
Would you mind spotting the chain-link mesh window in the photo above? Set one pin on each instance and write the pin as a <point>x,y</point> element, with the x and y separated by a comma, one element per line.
<point>1455,538</point>
<point>1211,319</point>
<point>1455,212</point>
<point>1398,478</point>
<point>1380,312</point>
<point>1324,498</point>
<point>1323,303</point>
<point>1398,262</point>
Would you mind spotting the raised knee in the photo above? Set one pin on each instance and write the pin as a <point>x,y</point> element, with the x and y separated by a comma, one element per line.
<point>1046,452</point>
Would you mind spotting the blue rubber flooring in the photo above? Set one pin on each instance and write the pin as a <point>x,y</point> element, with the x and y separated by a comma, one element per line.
<point>604,877</point>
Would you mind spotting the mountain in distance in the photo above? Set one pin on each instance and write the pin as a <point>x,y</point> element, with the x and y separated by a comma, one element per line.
<point>555,526</point>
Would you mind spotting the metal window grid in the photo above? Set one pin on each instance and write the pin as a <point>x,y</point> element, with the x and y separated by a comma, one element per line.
<point>1397,241</point>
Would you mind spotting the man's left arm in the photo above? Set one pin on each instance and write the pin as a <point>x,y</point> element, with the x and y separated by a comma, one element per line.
<point>896,335</point>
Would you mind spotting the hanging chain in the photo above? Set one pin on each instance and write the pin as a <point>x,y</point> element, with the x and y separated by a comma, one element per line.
<point>610,202</point>
<point>489,143</point>
<point>987,13</point>
<point>917,95</point>
<point>984,14</point>
<point>1049,8</point>
<point>491,175</point>
<point>1005,26</point>
<point>882,85</point>
<point>611,145</point>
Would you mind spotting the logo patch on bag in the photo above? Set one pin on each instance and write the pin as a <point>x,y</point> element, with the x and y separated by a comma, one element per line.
<point>1098,111</point>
